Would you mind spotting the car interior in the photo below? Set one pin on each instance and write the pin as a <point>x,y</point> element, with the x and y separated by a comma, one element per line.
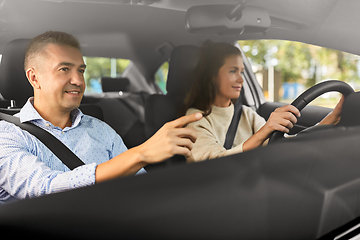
<point>308,182</point>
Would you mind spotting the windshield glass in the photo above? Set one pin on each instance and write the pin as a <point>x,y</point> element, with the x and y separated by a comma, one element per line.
<point>284,69</point>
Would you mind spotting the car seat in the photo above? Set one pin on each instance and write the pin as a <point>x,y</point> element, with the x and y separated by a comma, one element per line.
<point>119,84</point>
<point>161,108</point>
<point>14,85</point>
<point>123,109</point>
<point>350,114</point>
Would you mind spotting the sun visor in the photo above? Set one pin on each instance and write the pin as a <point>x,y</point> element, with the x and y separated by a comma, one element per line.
<point>227,19</point>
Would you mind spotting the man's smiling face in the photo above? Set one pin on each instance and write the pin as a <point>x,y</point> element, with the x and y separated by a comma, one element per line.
<point>60,76</point>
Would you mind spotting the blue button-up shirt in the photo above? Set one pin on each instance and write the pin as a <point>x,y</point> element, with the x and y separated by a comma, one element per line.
<point>29,169</point>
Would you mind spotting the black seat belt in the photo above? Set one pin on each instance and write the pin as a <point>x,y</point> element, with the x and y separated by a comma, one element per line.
<point>231,132</point>
<point>52,143</point>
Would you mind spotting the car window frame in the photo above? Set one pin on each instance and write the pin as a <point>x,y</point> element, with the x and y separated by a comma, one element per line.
<point>252,89</point>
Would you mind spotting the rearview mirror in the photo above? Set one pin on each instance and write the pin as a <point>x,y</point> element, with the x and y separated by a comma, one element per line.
<point>227,19</point>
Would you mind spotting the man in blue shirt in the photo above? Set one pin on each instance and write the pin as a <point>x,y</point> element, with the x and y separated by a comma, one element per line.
<point>54,67</point>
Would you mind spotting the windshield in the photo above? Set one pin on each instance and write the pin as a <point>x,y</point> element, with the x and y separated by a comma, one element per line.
<point>284,69</point>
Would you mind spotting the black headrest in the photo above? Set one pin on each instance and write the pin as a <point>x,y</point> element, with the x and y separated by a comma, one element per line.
<point>182,64</point>
<point>13,82</point>
<point>115,84</point>
<point>350,115</point>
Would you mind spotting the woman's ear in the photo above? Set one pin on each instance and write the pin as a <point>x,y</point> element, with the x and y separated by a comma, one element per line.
<point>32,77</point>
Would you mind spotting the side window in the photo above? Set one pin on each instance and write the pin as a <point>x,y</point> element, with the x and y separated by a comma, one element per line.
<point>161,76</point>
<point>97,67</point>
<point>284,69</point>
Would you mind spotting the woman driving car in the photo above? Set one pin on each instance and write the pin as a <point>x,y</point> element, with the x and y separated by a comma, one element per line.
<point>216,85</point>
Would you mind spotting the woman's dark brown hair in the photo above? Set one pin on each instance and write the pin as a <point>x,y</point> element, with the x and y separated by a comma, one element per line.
<point>202,92</point>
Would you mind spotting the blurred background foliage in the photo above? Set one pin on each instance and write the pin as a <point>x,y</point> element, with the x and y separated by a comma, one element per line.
<point>302,62</point>
<point>298,66</point>
<point>97,67</point>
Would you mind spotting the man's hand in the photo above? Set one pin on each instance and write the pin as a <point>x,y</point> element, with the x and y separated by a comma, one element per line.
<point>169,140</point>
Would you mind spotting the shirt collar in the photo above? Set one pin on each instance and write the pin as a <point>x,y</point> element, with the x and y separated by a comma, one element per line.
<point>29,113</point>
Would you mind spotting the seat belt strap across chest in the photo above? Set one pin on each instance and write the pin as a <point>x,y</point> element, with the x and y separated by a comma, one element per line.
<point>52,143</point>
<point>231,132</point>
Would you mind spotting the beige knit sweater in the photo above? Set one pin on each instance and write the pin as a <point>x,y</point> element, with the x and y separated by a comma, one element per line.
<point>211,131</point>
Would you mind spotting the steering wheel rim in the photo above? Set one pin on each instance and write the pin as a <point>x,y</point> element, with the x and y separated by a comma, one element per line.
<point>310,94</point>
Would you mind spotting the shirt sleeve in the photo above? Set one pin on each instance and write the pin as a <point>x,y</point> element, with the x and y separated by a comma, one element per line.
<point>258,123</point>
<point>120,147</point>
<point>24,175</point>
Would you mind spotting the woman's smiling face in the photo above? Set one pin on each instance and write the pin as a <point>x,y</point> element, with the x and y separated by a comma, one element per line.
<point>229,81</point>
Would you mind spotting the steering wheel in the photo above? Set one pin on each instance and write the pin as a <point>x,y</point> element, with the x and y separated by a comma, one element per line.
<point>310,94</point>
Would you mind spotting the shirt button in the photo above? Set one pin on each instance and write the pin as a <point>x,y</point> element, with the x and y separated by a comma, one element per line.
<point>47,124</point>
<point>62,133</point>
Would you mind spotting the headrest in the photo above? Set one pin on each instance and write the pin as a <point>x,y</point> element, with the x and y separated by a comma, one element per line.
<point>183,60</point>
<point>350,115</point>
<point>115,84</point>
<point>13,82</point>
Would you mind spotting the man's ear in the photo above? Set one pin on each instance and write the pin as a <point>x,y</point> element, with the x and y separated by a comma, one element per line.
<point>32,77</point>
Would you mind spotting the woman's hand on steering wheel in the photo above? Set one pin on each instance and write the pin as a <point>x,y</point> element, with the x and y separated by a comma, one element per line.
<point>335,116</point>
<point>282,119</point>
<point>315,91</point>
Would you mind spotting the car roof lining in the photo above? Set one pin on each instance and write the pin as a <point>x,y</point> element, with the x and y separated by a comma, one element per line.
<point>109,35</point>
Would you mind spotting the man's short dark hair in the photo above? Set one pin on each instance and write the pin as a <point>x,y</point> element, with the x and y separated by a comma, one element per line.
<point>38,43</point>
